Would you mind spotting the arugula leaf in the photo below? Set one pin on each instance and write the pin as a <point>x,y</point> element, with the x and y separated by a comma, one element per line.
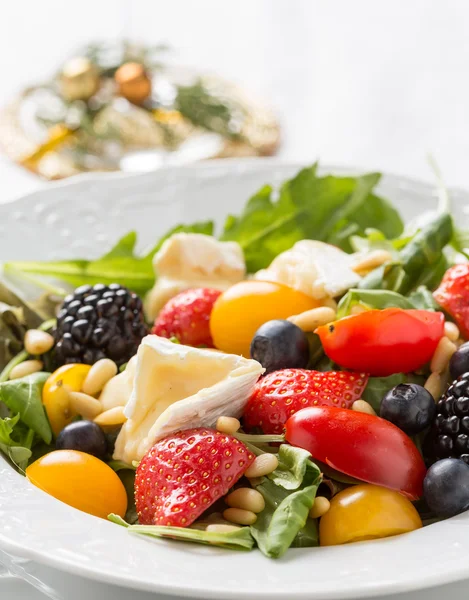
<point>309,207</point>
<point>120,264</point>
<point>377,387</point>
<point>422,298</point>
<point>24,396</point>
<point>233,540</point>
<point>295,468</point>
<point>10,445</point>
<point>371,299</point>
<point>284,516</point>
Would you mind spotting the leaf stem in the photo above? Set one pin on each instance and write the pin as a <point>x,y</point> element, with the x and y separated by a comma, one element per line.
<point>260,439</point>
<point>444,204</point>
<point>58,291</point>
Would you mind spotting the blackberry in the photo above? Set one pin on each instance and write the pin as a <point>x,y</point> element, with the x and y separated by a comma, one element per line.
<point>450,430</point>
<point>103,321</point>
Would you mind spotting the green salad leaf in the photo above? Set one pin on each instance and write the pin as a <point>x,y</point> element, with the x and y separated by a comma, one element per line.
<point>309,207</point>
<point>283,518</point>
<point>371,299</point>
<point>295,468</point>
<point>24,397</point>
<point>421,261</point>
<point>289,494</point>
<point>15,442</point>
<point>233,540</point>
<point>422,298</point>
<point>120,264</point>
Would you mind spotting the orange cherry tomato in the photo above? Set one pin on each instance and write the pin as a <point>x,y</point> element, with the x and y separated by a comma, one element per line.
<point>80,480</point>
<point>367,512</point>
<point>243,308</point>
<point>68,378</point>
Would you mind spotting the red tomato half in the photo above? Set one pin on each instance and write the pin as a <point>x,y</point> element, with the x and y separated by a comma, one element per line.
<point>383,342</point>
<point>361,446</point>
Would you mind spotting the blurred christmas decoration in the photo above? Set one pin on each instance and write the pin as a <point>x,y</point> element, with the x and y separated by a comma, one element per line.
<point>122,107</point>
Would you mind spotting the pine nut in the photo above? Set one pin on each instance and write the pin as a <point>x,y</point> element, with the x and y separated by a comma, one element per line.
<point>444,351</point>
<point>239,516</point>
<point>262,465</point>
<point>112,417</point>
<point>37,341</point>
<point>320,507</point>
<point>373,259</point>
<point>434,385</point>
<point>221,528</point>
<point>28,367</point>
<point>363,407</point>
<point>246,498</point>
<point>85,405</point>
<point>451,331</point>
<point>311,319</point>
<point>228,425</point>
<point>100,373</point>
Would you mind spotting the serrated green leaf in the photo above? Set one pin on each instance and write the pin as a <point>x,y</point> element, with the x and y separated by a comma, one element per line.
<point>24,397</point>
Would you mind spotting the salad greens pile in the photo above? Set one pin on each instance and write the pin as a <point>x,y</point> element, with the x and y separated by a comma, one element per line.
<point>344,211</point>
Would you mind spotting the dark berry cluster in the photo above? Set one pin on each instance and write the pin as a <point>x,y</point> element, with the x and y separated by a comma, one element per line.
<point>103,321</point>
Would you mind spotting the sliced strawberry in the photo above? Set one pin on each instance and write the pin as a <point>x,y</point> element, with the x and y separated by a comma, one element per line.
<point>187,317</point>
<point>280,394</point>
<point>453,295</point>
<point>183,474</point>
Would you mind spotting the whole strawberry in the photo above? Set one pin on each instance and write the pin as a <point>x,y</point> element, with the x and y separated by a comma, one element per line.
<point>187,317</point>
<point>186,472</point>
<point>282,393</point>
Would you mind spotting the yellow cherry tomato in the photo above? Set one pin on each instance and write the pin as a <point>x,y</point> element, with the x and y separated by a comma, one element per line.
<point>55,398</point>
<point>80,480</point>
<point>243,308</point>
<point>367,512</point>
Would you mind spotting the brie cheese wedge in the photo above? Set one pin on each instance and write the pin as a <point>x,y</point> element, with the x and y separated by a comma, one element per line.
<point>178,387</point>
<point>317,269</point>
<point>187,260</point>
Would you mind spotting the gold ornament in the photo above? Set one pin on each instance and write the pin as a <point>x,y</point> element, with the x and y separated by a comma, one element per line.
<point>133,82</point>
<point>79,79</point>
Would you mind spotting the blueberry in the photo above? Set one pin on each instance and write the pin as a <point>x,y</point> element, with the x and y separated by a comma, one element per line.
<point>409,406</point>
<point>446,487</point>
<point>459,363</point>
<point>280,344</point>
<point>85,436</point>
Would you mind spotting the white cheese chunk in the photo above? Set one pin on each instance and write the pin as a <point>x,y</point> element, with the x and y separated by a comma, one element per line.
<point>188,260</point>
<point>178,387</point>
<point>314,268</point>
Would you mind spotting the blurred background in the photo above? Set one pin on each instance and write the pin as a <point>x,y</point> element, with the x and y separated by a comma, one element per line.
<point>376,85</point>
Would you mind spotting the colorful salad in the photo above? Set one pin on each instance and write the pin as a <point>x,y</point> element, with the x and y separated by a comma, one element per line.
<point>299,379</point>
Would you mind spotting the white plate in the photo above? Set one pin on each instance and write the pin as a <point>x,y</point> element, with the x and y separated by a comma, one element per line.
<point>82,217</point>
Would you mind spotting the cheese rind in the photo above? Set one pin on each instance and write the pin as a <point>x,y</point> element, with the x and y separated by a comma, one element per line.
<point>179,387</point>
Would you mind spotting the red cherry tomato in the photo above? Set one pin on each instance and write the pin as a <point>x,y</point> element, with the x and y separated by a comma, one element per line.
<point>361,446</point>
<point>383,342</point>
